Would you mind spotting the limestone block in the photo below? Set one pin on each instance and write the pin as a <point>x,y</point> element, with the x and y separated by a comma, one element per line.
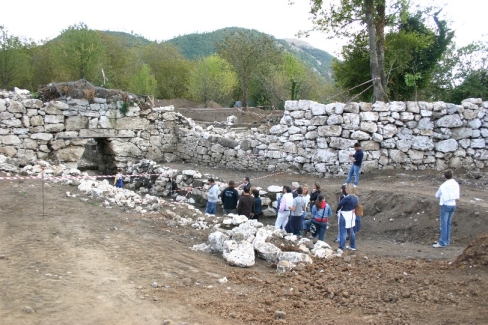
<point>380,107</point>
<point>132,123</point>
<point>216,241</point>
<point>3,105</point>
<point>54,127</point>
<point>484,133</point>
<point>335,119</point>
<point>404,145</point>
<point>370,127</point>
<point>127,149</point>
<point>290,147</point>
<point>389,131</point>
<point>317,109</point>
<point>478,143</point>
<point>287,120</point>
<point>238,254</point>
<point>370,145</point>
<point>319,120</point>
<point>370,165</point>
<point>397,106</point>
<point>71,153</point>
<point>296,137</point>
<point>461,133</point>
<point>422,143</point>
<point>32,103</point>
<point>330,131</point>
<point>351,121</point>
<point>291,105</point>
<point>295,257</point>
<point>8,151</point>
<point>449,121</point>
<point>365,107</point>
<point>369,116</point>
<point>278,129</point>
<point>228,143</point>
<point>341,143</point>
<point>397,156</point>
<point>325,155</point>
<point>61,105</point>
<point>438,106</point>
<point>53,119</point>
<point>470,114</point>
<point>449,145</point>
<point>351,108</point>
<point>294,130</point>
<point>360,135</point>
<point>406,116</point>
<point>297,114</point>
<point>425,124</point>
<point>16,107</point>
<point>76,123</point>
<point>12,123</point>
<point>10,140</point>
<point>475,123</point>
<point>105,122</point>
<point>42,136</point>
<point>302,122</point>
<point>413,107</point>
<point>268,252</point>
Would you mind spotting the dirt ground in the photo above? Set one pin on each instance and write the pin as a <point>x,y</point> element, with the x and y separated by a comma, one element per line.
<point>81,263</point>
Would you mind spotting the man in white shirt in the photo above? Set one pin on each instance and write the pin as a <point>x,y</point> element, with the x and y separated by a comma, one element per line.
<point>447,193</point>
<point>212,197</point>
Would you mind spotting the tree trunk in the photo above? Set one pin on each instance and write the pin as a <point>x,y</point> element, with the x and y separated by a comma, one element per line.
<point>379,92</point>
<point>380,42</point>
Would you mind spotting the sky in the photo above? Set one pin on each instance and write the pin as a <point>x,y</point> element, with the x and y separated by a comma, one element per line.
<point>164,19</point>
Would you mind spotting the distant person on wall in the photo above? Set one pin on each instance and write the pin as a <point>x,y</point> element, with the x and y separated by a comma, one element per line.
<point>357,160</point>
<point>118,182</point>
<point>245,182</point>
<point>212,197</point>
<point>245,206</point>
<point>447,194</point>
<point>258,205</point>
<point>230,197</point>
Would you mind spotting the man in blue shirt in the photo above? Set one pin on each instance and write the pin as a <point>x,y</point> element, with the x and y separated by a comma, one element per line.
<point>357,160</point>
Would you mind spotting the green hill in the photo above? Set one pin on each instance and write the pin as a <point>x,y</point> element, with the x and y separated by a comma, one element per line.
<point>194,46</point>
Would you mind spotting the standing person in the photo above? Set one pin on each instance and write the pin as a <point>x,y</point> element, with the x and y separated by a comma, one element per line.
<point>297,209</point>
<point>345,208</point>
<point>258,207</point>
<point>230,197</point>
<point>118,181</point>
<point>245,206</point>
<point>245,182</point>
<point>357,160</point>
<point>321,212</point>
<point>294,186</point>
<point>286,202</point>
<point>212,197</point>
<point>306,196</point>
<point>447,194</point>
<point>315,193</point>
<point>341,196</point>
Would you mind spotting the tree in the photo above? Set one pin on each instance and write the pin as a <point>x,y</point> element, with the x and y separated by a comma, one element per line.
<point>212,79</point>
<point>144,83</point>
<point>411,54</point>
<point>14,60</point>
<point>81,53</point>
<point>170,69</point>
<point>347,17</point>
<point>249,54</point>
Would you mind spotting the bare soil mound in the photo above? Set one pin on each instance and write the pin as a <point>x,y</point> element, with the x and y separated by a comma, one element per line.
<point>476,254</point>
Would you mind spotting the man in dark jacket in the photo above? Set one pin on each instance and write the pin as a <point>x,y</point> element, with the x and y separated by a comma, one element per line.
<point>245,206</point>
<point>230,197</point>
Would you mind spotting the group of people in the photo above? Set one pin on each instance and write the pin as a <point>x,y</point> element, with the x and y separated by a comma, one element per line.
<point>246,204</point>
<point>295,204</point>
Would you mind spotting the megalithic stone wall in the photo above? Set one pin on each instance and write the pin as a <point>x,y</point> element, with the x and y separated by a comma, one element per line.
<point>58,130</point>
<point>318,138</point>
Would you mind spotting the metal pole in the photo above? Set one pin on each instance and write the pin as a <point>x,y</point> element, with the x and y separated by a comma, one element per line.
<point>42,192</point>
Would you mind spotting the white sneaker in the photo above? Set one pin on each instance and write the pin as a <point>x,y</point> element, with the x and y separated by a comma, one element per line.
<point>339,251</point>
<point>437,245</point>
<point>355,186</point>
<point>344,184</point>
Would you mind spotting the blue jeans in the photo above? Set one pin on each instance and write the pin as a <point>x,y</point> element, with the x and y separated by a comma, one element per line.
<point>354,171</point>
<point>447,211</point>
<point>343,232</point>
<point>211,208</point>
<point>321,228</point>
<point>357,227</point>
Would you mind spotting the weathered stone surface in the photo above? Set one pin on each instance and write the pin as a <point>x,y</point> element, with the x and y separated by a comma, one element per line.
<point>238,254</point>
<point>129,123</point>
<point>16,107</point>
<point>369,116</point>
<point>449,121</point>
<point>76,123</point>
<point>422,143</point>
<point>329,131</point>
<point>325,155</point>
<point>294,257</point>
<point>11,140</point>
<point>41,136</point>
<point>268,252</point>
<point>72,153</point>
<point>370,127</point>
<point>360,135</point>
